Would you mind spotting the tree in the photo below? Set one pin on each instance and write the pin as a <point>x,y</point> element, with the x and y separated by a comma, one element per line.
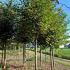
<point>55,29</point>
<point>38,11</point>
<point>24,29</point>
<point>43,45</point>
<point>28,25</point>
<point>6,27</point>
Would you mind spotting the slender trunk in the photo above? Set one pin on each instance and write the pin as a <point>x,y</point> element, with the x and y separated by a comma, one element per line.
<point>4,68</point>
<point>24,51</point>
<point>40,55</point>
<point>23,54</point>
<point>45,58</point>
<point>45,54</point>
<point>5,54</point>
<point>2,56</point>
<point>2,53</point>
<point>36,54</point>
<point>52,58</point>
<point>2,61</point>
<point>19,52</point>
<point>17,49</point>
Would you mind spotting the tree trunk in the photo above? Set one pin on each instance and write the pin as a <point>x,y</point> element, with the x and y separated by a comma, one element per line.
<point>40,55</point>
<point>36,54</point>
<point>2,61</point>
<point>45,55</point>
<point>4,66</point>
<point>52,58</point>
<point>19,52</point>
<point>24,51</point>
<point>2,53</point>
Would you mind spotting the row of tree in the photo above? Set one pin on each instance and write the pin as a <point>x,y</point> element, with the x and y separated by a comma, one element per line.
<point>38,21</point>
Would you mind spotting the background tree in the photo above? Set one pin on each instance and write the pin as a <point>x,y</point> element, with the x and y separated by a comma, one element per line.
<point>6,26</point>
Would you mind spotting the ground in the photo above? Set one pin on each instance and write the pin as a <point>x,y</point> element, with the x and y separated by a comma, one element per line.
<point>16,63</point>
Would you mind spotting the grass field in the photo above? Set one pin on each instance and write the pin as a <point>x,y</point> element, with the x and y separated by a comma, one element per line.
<point>60,52</point>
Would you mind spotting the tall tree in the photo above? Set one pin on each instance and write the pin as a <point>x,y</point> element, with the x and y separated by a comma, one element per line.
<point>55,28</point>
<point>6,26</point>
<point>36,18</point>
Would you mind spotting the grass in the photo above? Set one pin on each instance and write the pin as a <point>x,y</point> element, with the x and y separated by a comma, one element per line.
<point>60,52</point>
<point>66,52</point>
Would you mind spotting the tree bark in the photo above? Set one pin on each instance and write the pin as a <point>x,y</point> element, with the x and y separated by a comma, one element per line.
<point>40,55</point>
<point>36,54</point>
<point>45,54</point>
<point>2,53</point>
<point>24,51</point>
<point>4,59</point>
<point>52,58</point>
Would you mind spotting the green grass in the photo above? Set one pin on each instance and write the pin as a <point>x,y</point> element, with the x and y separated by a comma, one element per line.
<point>66,52</point>
<point>60,52</point>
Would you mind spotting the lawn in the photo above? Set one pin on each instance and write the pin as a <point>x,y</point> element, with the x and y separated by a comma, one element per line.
<point>60,52</point>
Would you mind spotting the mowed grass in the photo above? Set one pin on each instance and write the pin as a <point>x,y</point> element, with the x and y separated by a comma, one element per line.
<point>65,51</point>
<point>60,52</point>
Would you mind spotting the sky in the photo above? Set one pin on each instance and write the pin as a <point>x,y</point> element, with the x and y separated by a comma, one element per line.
<point>65,7</point>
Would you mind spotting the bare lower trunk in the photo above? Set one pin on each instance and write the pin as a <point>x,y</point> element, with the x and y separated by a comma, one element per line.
<point>40,55</point>
<point>2,53</point>
<point>36,54</point>
<point>45,58</point>
<point>24,51</point>
<point>52,58</point>
<point>45,54</point>
<point>4,58</point>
